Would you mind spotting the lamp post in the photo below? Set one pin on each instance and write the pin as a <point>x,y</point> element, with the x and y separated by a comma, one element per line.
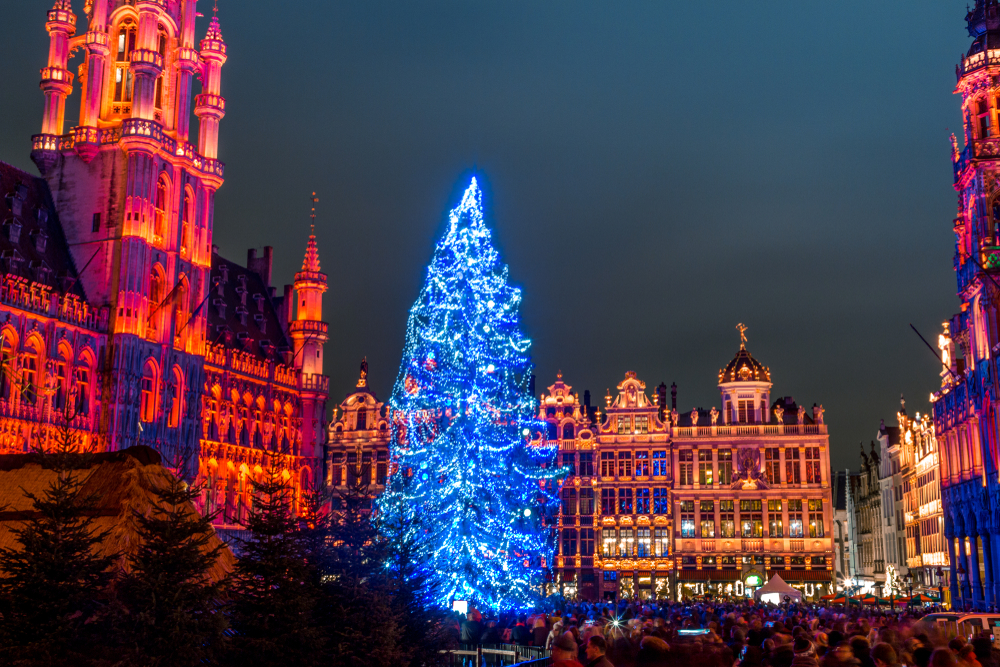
<point>909,583</point>
<point>961,583</point>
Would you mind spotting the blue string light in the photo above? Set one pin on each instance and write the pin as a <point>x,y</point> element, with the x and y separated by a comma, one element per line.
<point>476,481</point>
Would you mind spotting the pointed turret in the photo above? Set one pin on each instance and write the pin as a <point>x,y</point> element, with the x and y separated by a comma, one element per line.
<point>210,106</point>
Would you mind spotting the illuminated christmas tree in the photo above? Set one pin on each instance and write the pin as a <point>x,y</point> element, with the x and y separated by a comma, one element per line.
<point>475,474</point>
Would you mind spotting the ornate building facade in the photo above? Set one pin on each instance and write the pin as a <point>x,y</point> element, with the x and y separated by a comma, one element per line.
<point>116,312</point>
<point>671,504</point>
<point>965,407</point>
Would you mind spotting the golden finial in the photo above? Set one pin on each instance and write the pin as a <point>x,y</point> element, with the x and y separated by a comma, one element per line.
<point>743,335</point>
<point>312,214</point>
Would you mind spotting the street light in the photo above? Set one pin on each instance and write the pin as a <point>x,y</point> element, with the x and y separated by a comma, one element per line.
<point>909,583</point>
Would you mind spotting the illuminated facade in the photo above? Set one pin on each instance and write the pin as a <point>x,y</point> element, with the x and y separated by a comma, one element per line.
<point>965,407</point>
<point>117,313</point>
<point>678,504</point>
<point>358,440</point>
<point>868,537</point>
<point>927,553</point>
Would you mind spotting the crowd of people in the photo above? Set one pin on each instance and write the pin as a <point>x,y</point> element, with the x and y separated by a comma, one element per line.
<point>726,634</point>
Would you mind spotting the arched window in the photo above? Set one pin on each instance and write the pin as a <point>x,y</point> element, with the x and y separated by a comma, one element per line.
<point>30,361</point>
<point>7,357</point>
<point>157,289</point>
<point>123,73</point>
<point>147,402</point>
<point>178,398</point>
<point>162,48</point>
<point>362,419</point>
<point>160,209</point>
<point>83,382</point>
<point>983,117</point>
<point>187,214</point>
<point>63,363</point>
<point>568,432</point>
<point>180,310</point>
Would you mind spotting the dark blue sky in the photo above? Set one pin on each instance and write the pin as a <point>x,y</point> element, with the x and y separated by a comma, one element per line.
<point>655,172</point>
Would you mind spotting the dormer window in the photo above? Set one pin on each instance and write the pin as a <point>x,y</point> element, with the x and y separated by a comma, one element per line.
<point>242,312</point>
<point>261,322</point>
<point>220,306</point>
<point>40,238</point>
<point>13,229</point>
<point>259,298</point>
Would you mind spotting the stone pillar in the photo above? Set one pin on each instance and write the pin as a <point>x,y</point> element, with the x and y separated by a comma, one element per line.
<point>953,566</point>
<point>988,557</point>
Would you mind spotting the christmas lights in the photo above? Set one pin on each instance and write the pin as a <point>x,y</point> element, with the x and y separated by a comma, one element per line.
<point>471,488</point>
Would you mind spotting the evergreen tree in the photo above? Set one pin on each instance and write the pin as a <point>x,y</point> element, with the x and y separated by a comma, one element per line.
<point>170,604</point>
<point>463,420</point>
<point>274,589</point>
<point>53,583</point>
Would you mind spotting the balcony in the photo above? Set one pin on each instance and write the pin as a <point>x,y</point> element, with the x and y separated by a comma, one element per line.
<point>748,430</point>
<point>976,61</point>
<point>796,546</point>
<point>753,545</point>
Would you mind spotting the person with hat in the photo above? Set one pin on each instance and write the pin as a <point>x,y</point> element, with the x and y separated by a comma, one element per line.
<point>564,651</point>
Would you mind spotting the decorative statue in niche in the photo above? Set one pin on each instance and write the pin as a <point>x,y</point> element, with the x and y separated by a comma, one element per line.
<point>694,417</point>
<point>714,414</point>
<point>802,415</point>
<point>748,474</point>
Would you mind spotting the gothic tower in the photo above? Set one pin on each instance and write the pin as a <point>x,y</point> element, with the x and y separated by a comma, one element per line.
<point>135,198</point>
<point>308,333</point>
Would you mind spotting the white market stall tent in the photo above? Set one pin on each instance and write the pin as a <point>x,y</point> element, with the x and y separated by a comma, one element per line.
<point>775,591</point>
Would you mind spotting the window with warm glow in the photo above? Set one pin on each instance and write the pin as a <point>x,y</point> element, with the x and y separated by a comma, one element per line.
<point>687,518</point>
<point>122,72</point>
<point>147,401</point>
<point>725,457</point>
<point>29,377</point>
<point>816,528</point>
<point>705,466</point>
<point>83,390</point>
<point>795,518</point>
<point>793,472</point>
<point>178,398</point>
<point>727,518</point>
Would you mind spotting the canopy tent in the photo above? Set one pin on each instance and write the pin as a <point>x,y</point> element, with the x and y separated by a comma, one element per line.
<point>775,591</point>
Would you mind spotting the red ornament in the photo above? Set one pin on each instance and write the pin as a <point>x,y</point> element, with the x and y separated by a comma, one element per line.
<point>430,364</point>
<point>410,385</point>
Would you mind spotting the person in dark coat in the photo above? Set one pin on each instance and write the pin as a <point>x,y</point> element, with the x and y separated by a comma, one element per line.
<point>520,634</point>
<point>539,633</point>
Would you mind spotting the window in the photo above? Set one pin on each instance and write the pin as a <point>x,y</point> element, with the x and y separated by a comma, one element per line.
<point>660,465</point>
<point>661,502</point>
<point>707,518</point>
<point>586,541</point>
<point>123,74</point>
<point>725,466</point>
<point>586,502</point>
<point>59,398</point>
<point>147,403</point>
<point>608,543</point>
<point>83,391</point>
<point>569,461</point>
<point>661,542</point>
<point>727,519</point>
<point>774,524</point>
<point>187,214</point>
<point>607,501</point>
<point>178,398</point>
<point>642,424</point>
<point>29,377</point>
<point>336,467</point>
<point>816,518</point>
<point>160,209</point>
<point>361,419</point>
<point>624,464</point>
<point>624,425</point>
<point>382,468</point>
<point>625,501</point>
<point>95,223</point>
<point>567,432</point>
<point>793,473</point>
<point>746,412</point>
<point>642,464</point>
<point>795,518</point>
<point>643,544</point>
<point>686,457</point>
<point>751,518</point>
<point>813,474</point>
<point>642,501</point>
<point>687,518</point>
<point>983,117</point>
<point>607,464</point>
<point>586,464</point>
<point>626,541</point>
<point>569,542</point>
<point>569,501</point>
<point>705,466</point>
<point>772,465</point>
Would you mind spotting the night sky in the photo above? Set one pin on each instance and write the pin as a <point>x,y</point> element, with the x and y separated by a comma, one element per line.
<point>655,172</point>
